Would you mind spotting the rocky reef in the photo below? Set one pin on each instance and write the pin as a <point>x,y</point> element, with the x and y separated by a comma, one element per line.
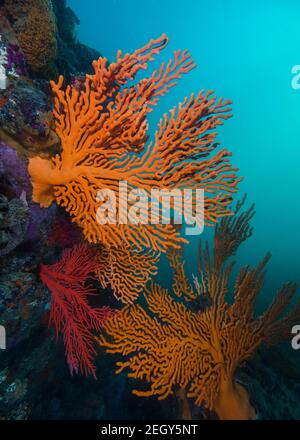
<point>45,32</point>
<point>38,42</point>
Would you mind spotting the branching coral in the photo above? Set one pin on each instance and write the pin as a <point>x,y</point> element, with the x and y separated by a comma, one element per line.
<point>172,346</point>
<point>181,285</point>
<point>71,313</point>
<point>103,129</point>
<point>125,271</point>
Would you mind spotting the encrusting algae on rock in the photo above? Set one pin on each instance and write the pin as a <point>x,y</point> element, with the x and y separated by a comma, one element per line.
<point>35,26</point>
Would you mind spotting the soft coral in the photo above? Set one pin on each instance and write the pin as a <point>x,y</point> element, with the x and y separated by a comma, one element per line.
<point>70,312</point>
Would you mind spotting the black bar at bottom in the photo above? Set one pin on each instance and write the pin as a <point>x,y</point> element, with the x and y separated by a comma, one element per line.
<point>130,429</point>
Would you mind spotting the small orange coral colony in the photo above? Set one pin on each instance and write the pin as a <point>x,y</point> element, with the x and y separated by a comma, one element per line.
<point>103,129</point>
<point>35,25</point>
<point>197,345</point>
<point>125,271</point>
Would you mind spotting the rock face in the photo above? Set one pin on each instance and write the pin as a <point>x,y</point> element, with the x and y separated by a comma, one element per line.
<point>34,24</point>
<point>46,33</point>
<point>37,42</point>
<point>73,57</point>
<point>26,121</point>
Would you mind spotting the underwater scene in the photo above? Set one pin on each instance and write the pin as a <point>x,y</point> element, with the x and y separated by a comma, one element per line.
<point>149,210</point>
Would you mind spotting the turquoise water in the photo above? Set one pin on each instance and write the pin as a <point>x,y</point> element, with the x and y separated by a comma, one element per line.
<point>245,51</point>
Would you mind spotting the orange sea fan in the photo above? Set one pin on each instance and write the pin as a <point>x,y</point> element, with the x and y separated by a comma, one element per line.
<point>103,129</point>
<point>175,345</point>
<point>125,271</point>
<point>180,285</point>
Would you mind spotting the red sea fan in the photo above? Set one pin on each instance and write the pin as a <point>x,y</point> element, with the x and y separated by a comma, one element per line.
<point>70,312</point>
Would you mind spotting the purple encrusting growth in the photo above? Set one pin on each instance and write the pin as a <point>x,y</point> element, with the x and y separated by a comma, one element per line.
<point>38,216</point>
<point>26,117</point>
<point>13,172</point>
<point>15,60</point>
<point>33,106</point>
